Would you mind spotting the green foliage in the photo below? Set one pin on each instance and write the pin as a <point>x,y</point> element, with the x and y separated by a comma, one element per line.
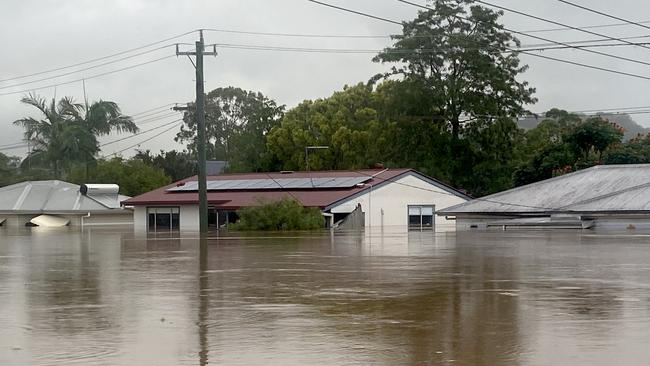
<point>636,151</point>
<point>346,122</point>
<point>66,135</point>
<point>463,62</point>
<point>563,143</point>
<point>8,169</point>
<point>285,214</point>
<point>133,175</point>
<point>595,135</point>
<point>176,164</point>
<point>237,122</point>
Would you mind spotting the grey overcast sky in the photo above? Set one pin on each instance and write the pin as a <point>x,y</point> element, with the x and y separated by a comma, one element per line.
<point>45,34</point>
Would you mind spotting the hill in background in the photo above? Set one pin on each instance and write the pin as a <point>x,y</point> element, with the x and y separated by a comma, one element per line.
<point>631,127</point>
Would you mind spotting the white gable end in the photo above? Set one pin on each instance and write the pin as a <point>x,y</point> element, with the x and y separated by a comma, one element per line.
<point>387,205</point>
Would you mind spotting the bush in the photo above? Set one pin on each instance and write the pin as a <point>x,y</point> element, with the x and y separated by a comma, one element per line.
<point>285,214</point>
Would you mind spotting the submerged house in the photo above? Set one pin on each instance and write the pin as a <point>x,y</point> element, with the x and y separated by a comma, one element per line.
<point>58,203</point>
<point>381,198</point>
<point>606,196</point>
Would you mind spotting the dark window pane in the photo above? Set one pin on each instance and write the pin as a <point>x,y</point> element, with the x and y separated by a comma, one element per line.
<point>152,221</point>
<point>175,221</point>
<point>163,221</point>
<point>427,221</point>
<point>414,221</point>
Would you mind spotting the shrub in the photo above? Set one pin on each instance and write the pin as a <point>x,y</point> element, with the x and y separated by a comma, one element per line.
<point>285,214</point>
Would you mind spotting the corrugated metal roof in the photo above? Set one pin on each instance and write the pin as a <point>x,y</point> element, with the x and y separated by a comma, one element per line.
<point>52,196</point>
<point>604,188</point>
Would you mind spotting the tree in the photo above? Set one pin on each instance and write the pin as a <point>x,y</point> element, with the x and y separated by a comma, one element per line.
<point>8,169</point>
<point>462,56</point>
<point>595,134</point>
<point>67,132</point>
<point>635,151</point>
<point>237,122</point>
<point>176,164</point>
<point>346,122</point>
<point>133,176</point>
<point>563,143</point>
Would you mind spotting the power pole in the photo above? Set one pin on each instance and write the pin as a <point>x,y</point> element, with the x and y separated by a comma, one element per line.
<point>199,52</point>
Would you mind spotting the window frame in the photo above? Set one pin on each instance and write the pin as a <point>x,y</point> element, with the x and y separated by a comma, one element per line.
<point>420,207</point>
<point>172,210</point>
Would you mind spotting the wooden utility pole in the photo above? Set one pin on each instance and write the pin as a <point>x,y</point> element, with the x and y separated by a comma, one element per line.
<point>199,52</point>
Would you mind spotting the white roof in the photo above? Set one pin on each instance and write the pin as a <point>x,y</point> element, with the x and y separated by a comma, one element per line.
<point>604,188</point>
<point>53,196</point>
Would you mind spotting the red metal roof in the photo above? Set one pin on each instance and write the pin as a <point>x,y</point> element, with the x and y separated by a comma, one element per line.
<point>235,199</point>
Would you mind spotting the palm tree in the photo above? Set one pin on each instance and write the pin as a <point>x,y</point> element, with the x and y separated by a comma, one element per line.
<point>67,131</point>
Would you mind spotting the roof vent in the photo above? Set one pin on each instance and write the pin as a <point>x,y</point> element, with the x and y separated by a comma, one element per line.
<point>286,172</point>
<point>180,184</point>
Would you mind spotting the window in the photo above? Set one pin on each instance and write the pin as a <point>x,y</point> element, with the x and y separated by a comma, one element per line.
<point>421,217</point>
<point>163,218</point>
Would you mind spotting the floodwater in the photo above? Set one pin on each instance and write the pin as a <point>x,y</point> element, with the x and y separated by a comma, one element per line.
<point>109,297</point>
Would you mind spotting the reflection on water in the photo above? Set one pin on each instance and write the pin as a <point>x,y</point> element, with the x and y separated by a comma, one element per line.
<point>109,297</point>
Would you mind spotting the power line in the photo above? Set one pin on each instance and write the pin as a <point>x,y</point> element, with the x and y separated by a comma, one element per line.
<point>85,69</point>
<point>14,148</point>
<point>563,29</point>
<point>553,22</point>
<point>404,51</point>
<point>88,77</point>
<point>139,133</point>
<point>99,58</point>
<point>355,12</point>
<point>296,35</point>
<point>143,141</point>
<point>155,116</point>
<point>639,24</point>
<point>153,109</point>
<point>550,40</point>
<point>555,58</point>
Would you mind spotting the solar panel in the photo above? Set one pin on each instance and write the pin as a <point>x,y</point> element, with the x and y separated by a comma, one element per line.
<point>282,183</point>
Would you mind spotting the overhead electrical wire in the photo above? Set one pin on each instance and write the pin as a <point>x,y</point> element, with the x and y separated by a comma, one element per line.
<point>140,133</point>
<point>593,67</point>
<point>86,68</point>
<point>154,116</point>
<point>406,51</point>
<point>563,29</point>
<point>296,35</point>
<point>638,24</point>
<point>554,22</point>
<point>523,52</point>
<point>552,41</point>
<point>153,109</point>
<point>356,12</point>
<point>87,78</point>
<point>99,58</point>
<point>143,141</point>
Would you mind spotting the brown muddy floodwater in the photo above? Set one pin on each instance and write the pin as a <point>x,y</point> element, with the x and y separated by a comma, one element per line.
<point>106,297</point>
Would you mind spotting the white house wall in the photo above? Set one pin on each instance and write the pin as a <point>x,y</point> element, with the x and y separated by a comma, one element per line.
<point>189,217</point>
<point>395,197</point>
<point>140,218</point>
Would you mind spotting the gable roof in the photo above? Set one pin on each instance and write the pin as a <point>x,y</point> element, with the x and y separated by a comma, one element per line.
<point>603,188</point>
<point>53,196</point>
<point>309,197</point>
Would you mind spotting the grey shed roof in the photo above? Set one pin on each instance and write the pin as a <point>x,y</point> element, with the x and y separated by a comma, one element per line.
<point>604,188</point>
<point>53,196</point>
